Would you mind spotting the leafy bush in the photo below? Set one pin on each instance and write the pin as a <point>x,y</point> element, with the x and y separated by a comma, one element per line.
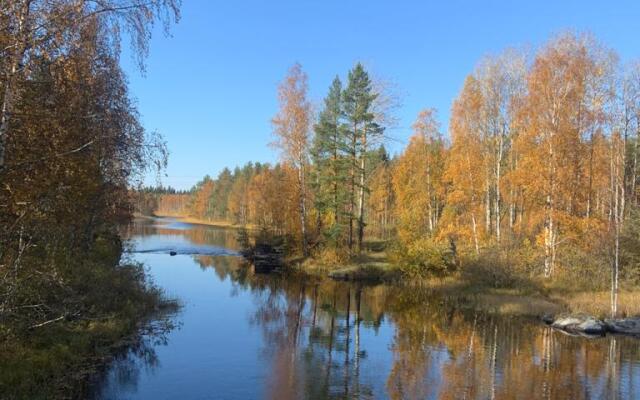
<point>424,257</point>
<point>509,265</point>
<point>331,257</point>
<point>492,268</point>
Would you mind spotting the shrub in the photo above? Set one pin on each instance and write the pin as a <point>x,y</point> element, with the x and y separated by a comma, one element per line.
<point>508,266</point>
<point>491,269</point>
<point>329,256</point>
<point>424,257</point>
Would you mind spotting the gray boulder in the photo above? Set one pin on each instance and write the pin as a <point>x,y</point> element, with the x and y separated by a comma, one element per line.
<point>580,324</point>
<point>626,326</point>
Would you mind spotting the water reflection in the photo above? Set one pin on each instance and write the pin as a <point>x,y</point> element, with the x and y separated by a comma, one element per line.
<point>284,337</point>
<point>314,334</point>
<point>125,369</point>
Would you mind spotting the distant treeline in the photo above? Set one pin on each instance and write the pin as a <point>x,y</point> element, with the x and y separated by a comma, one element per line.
<point>150,200</point>
<point>161,190</point>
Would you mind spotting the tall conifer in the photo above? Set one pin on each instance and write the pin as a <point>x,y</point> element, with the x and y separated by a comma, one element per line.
<point>329,158</point>
<point>361,128</point>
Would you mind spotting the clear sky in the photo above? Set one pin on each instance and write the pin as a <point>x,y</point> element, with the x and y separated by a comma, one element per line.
<point>210,88</point>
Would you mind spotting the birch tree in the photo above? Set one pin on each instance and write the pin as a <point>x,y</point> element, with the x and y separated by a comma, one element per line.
<point>50,29</point>
<point>292,127</point>
<point>418,179</point>
<point>501,81</point>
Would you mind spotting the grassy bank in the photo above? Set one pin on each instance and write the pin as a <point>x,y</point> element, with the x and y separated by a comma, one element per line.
<point>105,310</point>
<point>476,287</point>
<point>58,361</point>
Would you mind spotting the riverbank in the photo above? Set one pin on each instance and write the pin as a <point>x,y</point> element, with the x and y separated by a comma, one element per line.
<point>206,222</point>
<point>530,297</point>
<point>534,297</point>
<point>57,358</point>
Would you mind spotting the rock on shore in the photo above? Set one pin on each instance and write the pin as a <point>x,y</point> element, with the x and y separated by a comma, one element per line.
<point>580,324</point>
<point>589,325</point>
<point>626,326</point>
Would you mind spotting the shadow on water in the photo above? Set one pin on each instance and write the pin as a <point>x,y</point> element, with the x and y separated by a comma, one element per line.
<point>285,337</point>
<point>124,370</point>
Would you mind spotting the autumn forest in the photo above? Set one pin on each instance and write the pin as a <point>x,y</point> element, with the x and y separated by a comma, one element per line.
<point>457,244</point>
<point>536,177</point>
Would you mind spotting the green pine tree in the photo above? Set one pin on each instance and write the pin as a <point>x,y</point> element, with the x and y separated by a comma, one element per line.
<point>362,128</point>
<point>330,168</point>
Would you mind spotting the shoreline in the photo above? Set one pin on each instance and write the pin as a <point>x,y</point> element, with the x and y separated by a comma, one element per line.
<point>537,300</point>
<point>501,301</point>
<point>198,221</point>
<point>68,358</point>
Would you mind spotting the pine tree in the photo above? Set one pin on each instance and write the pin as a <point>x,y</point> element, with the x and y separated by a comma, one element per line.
<point>328,155</point>
<point>361,128</point>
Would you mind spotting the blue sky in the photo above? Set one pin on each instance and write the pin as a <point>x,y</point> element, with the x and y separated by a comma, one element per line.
<point>210,88</point>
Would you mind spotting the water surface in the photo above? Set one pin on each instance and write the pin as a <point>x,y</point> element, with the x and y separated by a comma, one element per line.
<point>246,336</point>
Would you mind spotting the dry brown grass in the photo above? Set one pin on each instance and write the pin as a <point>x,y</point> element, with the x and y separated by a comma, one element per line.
<point>521,305</point>
<point>599,303</point>
<point>513,301</point>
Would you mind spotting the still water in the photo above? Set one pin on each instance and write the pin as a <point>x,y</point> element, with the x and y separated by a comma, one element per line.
<point>246,336</point>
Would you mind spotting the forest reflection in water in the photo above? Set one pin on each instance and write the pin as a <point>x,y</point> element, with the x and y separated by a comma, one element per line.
<point>320,339</point>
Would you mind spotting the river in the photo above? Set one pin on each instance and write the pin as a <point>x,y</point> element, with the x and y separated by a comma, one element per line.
<point>246,336</point>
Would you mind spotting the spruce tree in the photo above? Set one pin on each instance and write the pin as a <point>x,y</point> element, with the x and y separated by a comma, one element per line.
<point>328,156</point>
<point>358,99</point>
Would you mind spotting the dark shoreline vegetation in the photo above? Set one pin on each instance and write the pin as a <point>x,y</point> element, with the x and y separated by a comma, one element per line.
<point>59,358</point>
<point>71,148</point>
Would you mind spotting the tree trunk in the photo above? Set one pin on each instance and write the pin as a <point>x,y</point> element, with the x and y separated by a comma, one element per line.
<point>512,195</point>
<point>498,177</point>
<point>475,233</point>
<point>430,197</point>
<point>363,157</point>
<point>19,48</point>
<point>473,215</point>
<point>590,189</point>
<point>487,206</point>
<point>352,188</point>
<point>549,238</point>
<point>634,170</point>
<point>335,176</point>
<point>303,208</point>
<point>619,184</point>
<point>550,229</point>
